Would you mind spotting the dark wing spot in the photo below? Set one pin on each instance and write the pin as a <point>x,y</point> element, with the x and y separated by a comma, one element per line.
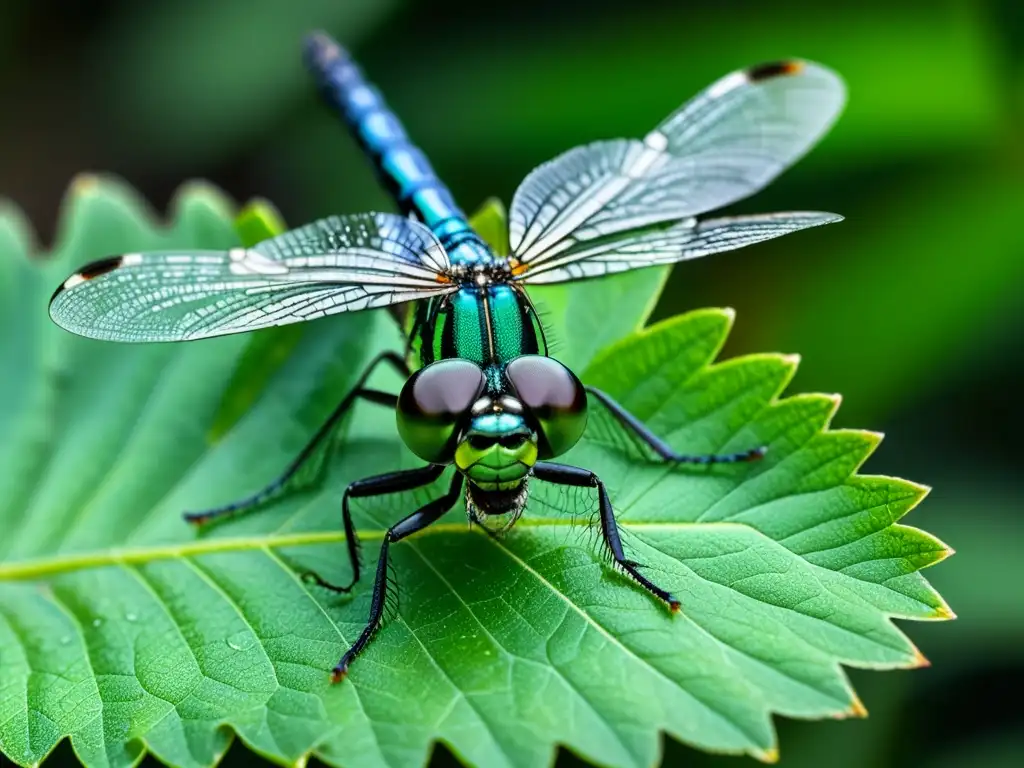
<point>101,267</point>
<point>774,69</point>
<point>88,272</point>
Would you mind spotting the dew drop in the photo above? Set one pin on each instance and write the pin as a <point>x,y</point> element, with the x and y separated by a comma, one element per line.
<point>130,617</point>
<point>97,622</point>
<point>240,641</point>
<point>65,640</point>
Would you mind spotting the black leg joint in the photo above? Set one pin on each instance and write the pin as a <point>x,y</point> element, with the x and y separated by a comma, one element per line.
<point>563,474</point>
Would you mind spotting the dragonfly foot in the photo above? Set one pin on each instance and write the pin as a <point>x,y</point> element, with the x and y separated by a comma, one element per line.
<point>198,519</point>
<point>755,454</point>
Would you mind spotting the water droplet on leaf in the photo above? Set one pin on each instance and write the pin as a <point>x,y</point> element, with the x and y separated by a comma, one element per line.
<point>240,641</point>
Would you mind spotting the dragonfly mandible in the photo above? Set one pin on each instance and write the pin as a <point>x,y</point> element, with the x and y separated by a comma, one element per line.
<point>481,391</point>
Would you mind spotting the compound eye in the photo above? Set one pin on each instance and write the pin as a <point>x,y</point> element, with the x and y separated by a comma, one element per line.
<point>554,397</point>
<point>433,402</point>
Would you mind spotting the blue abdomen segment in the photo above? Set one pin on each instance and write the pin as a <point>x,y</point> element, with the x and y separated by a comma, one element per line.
<point>402,166</point>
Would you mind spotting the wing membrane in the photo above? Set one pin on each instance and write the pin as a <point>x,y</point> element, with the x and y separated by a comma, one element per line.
<point>725,144</point>
<point>672,242</point>
<point>337,264</point>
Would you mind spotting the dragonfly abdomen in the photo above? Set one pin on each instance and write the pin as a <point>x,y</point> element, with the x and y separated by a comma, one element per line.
<point>402,166</point>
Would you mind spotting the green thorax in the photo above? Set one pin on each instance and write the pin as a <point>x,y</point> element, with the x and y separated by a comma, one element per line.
<point>489,325</point>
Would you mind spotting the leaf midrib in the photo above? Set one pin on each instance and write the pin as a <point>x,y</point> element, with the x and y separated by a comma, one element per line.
<point>35,568</point>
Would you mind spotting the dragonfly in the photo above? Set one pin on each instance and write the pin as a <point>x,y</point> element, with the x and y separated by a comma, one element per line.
<point>481,391</point>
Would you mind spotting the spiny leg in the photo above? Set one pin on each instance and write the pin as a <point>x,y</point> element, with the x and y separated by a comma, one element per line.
<point>378,485</point>
<point>563,474</point>
<point>242,506</point>
<point>662,448</point>
<point>417,521</point>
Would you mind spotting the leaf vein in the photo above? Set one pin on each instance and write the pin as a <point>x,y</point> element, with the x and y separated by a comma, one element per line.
<point>610,637</point>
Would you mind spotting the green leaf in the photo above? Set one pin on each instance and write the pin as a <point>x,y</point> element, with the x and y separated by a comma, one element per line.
<point>126,631</point>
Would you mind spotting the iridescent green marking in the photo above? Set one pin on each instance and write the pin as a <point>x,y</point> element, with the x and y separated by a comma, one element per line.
<point>491,324</point>
<point>467,329</point>
<point>440,326</point>
<point>506,317</point>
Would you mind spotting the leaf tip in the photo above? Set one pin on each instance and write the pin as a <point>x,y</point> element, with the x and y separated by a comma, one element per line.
<point>85,184</point>
<point>856,708</point>
<point>791,360</point>
<point>770,755</point>
<point>943,611</point>
<point>920,660</point>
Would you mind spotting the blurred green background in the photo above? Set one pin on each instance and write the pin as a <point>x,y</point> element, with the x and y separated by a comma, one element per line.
<point>910,307</point>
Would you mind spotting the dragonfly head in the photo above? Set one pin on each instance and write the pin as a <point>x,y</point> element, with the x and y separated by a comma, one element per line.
<point>494,424</point>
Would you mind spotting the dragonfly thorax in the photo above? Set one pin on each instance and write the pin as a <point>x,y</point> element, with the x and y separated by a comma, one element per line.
<point>488,319</point>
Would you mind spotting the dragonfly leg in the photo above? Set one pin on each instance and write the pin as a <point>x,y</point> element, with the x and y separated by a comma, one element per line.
<point>242,506</point>
<point>662,448</point>
<point>563,474</point>
<point>378,485</point>
<point>417,521</point>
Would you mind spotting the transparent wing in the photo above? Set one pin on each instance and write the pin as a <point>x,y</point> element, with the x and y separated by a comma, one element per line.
<point>670,242</point>
<point>725,144</point>
<point>337,264</point>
